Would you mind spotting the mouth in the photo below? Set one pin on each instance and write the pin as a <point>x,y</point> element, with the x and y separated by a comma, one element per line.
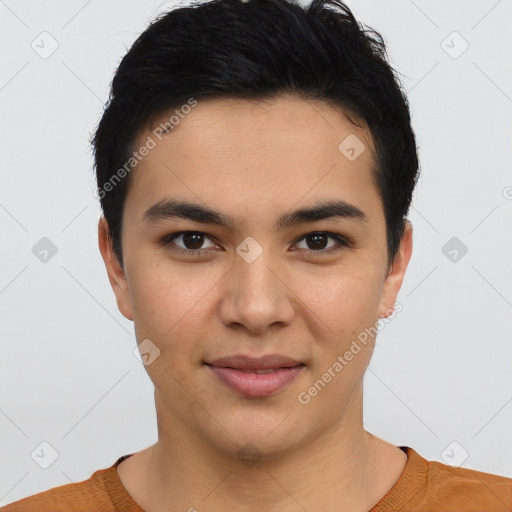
<point>256,378</point>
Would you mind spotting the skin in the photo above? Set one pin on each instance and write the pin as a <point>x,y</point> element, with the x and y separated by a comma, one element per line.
<point>256,160</point>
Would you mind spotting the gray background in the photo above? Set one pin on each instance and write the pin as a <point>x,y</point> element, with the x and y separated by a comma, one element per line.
<point>440,380</point>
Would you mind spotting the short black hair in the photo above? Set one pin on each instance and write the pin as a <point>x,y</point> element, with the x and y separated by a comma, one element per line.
<point>258,49</point>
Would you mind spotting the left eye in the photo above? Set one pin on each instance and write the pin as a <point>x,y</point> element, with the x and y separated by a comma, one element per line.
<point>319,239</point>
<point>193,240</point>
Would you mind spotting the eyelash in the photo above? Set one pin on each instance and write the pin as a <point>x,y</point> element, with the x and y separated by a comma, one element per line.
<point>343,243</point>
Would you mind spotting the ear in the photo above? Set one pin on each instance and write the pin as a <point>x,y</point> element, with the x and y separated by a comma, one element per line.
<point>114,270</point>
<point>395,276</point>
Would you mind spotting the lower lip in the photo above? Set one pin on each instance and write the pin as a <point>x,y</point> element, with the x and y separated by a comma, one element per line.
<point>256,385</point>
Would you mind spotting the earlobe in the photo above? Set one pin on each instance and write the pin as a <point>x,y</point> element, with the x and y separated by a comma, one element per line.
<point>115,272</point>
<point>396,274</point>
<point>388,311</point>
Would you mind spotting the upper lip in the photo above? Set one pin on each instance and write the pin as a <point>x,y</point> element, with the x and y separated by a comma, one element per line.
<point>267,362</point>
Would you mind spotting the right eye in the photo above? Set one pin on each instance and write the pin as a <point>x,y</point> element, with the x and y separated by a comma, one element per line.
<point>193,239</point>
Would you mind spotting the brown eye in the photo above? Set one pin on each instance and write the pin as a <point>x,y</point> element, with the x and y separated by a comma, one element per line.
<point>317,243</point>
<point>192,241</point>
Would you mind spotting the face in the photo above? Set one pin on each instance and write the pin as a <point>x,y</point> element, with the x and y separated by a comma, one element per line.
<point>256,280</point>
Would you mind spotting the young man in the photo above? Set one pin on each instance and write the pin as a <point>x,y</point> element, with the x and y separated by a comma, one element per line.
<point>255,167</point>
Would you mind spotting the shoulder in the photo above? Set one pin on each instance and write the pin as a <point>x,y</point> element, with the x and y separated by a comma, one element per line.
<point>91,495</point>
<point>431,486</point>
<point>470,487</point>
<point>443,487</point>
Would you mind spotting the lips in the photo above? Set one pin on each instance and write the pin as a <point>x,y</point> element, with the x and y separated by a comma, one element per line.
<point>250,364</point>
<point>256,377</point>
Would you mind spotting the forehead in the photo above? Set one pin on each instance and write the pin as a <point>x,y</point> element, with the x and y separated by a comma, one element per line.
<point>282,119</point>
<point>251,152</point>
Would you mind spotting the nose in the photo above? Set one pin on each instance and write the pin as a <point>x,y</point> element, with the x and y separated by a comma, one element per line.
<point>256,294</point>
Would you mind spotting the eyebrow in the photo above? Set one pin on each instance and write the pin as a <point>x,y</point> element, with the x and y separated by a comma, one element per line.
<point>175,208</point>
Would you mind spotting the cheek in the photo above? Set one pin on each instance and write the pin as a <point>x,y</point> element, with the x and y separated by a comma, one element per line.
<point>344,301</point>
<point>170,303</point>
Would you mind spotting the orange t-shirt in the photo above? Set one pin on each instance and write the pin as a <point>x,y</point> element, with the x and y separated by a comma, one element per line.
<point>423,486</point>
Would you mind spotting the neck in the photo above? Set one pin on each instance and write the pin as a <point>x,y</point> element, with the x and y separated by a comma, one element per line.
<point>183,472</point>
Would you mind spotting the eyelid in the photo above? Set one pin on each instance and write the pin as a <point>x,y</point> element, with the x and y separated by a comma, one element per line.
<point>343,242</point>
<point>167,240</point>
<point>340,238</point>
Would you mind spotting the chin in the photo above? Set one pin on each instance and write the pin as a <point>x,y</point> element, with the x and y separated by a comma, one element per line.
<point>249,449</point>
<point>256,435</point>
